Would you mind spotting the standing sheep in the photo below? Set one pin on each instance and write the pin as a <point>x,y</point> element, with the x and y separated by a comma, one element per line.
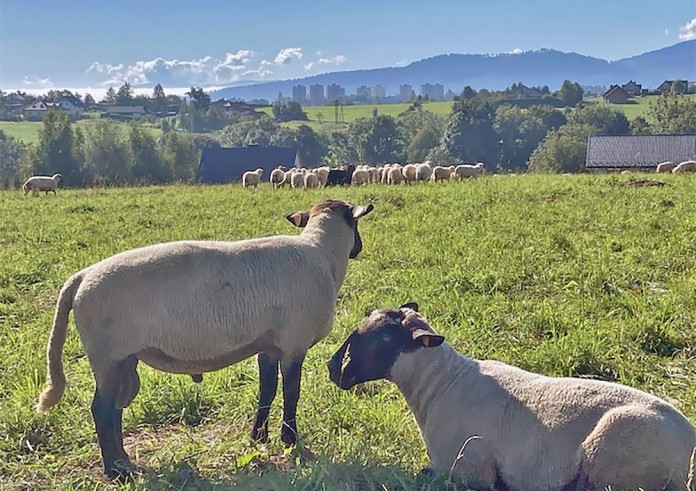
<point>395,176</point>
<point>465,171</point>
<point>42,183</point>
<point>251,178</point>
<point>311,180</point>
<point>197,306</point>
<point>441,173</point>
<point>409,173</point>
<point>277,177</point>
<point>686,166</point>
<point>500,427</point>
<point>360,176</point>
<point>423,171</point>
<point>665,167</point>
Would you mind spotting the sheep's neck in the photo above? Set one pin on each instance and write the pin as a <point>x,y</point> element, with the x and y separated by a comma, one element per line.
<point>335,239</point>
<point>425,374</point>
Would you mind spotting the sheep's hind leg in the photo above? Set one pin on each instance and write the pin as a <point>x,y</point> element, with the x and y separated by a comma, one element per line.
<point>115,387</point>
<point>291,367</point>
<point>268,385</point>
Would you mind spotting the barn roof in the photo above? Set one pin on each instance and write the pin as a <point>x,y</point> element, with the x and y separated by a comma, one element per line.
<point>634,151</point>
<point>219,165</point>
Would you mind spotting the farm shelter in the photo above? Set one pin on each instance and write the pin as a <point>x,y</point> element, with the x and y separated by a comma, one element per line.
<point>639,153</point>
<point>219,165</point>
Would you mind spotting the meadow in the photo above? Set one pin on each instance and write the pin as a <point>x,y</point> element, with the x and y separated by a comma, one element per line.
<point>28,131</point>
<point>562,275</point>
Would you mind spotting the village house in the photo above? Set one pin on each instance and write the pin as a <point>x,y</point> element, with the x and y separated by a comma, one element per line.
<point>615,95</point>
<point>666,86</point>
<point>632,88</point>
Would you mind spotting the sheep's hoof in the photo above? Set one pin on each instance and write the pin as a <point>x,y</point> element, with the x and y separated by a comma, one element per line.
<point>288,434</point>
<point>260,434</point>
<point>120,472</point>
<point>197,377</point>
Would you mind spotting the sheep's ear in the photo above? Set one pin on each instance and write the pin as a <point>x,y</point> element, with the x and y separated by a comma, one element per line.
<point>427,338</point>
<point>410,305</point>
<point>299,219</point>
<point>361,211</point>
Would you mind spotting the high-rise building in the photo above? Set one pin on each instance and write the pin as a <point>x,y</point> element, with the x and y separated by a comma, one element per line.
<point>406,92</point>
<point>299,94</point>
<point>362,91</point>
<point>377,91</point>
<point>334,92</point>
<point>434,92</point>
<point>316,95</point>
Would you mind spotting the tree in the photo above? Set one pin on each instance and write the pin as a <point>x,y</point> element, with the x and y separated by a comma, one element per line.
<point>107,154</point>
<point>468,93</point>
<point>289,111</point>
<point>55,151</point>
<point>110,96</point>
<point>320,117</point>
<point>600,120</point>
<point>469,135</point>
<point>563,150</point>
<point>311,148</point>
<point>146,164</point>
<point>201,100</point>
<point>179,153</point>
<point>673,114</point>
<point>124,93</point>
<point>376,139</point>
<point>89,100</point>
<point>640,126</point>
<point>570,93</point>
<point>678,87</point>
<point>158,93</point>
<point>11,151</point>
<point>422,143</point>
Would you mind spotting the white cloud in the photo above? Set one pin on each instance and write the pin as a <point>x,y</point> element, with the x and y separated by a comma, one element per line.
<point>37,82</point>
<point>516,51</point>
<point>401,62</point>
<point>287,55</point>
<point>688,30</point>
<point>666,32</point>
<point>336,60</point>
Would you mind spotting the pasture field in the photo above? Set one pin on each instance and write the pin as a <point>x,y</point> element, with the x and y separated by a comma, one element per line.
<point>563,275</point>
<point>28,131</point>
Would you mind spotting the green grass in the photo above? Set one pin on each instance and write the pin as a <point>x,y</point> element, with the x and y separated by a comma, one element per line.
<point>637,106</point>
<point>28,131</point>
<point>562,275</point>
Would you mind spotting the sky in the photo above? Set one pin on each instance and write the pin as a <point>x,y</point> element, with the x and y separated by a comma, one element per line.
<point>97,44</point>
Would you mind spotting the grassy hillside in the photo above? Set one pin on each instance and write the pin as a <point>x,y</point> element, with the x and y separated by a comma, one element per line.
<point>28,131</point>
<point>562,275</point>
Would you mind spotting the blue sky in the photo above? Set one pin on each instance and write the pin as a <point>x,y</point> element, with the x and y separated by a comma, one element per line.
<point>79,43</point>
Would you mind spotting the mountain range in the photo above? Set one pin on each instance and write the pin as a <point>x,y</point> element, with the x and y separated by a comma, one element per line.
<point>495,72</point>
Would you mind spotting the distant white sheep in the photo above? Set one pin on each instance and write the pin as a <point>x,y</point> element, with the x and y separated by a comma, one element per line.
<point>251,178</point>
<point>665,167</point>
<point>686,166</point>
<point>323,175</point>
<point>409,173</point>
<point>42,183</point>
<point>441,173</point>
<point>277,177</point>
<point>360,176</point>
<point>197,306</point>
<point>423,171</point>
<point>464,171</point>
<point>297,178</point>
<point>311,180</point>
<point>500,427</point>
<point>395,176</point>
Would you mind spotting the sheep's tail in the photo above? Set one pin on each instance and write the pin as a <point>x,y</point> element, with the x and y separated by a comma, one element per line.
<point>55,380</point>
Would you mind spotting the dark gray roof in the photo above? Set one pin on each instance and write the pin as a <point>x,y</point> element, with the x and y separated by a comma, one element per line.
<point>638,151</point>
<point>219,165</point>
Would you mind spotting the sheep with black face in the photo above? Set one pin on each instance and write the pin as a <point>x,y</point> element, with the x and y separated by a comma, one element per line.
<point>500,427</point>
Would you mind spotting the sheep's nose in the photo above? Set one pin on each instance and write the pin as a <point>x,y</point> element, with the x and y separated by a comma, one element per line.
<point>334,371</point>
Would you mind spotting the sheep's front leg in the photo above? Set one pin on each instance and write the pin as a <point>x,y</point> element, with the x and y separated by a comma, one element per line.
<point>291,367</point>
<point>268,384</point>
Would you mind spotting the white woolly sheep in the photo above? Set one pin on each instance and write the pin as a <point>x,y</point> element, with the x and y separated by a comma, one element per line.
<point>423,171</point>
<point>409,173</point>
<point>500,427</point>
<point>297,178</point>
<point>311,180</point>
<point>251,178</point>
<point>197,306</point>
<point>441,173</point>
<point>360,176</point>
<point>42,183</point>
<point>323,175</point>
<point>395,176</point>
<point>277,177</point>
<point>686,166</point>
<point>465,171</point>
<point>665,167</point>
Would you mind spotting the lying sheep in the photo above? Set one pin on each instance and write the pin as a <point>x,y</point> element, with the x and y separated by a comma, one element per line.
<point>464,171</point>
<point>197,306</point>
<point>686,166</point>
<point>665,167</point>
<point>42,183</point>
<point>500,427</point>
<point>251,178</point>
<point>277,177</point>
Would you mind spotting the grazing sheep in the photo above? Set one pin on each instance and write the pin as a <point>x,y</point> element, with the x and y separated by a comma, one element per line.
<point>395,176</point>
<point>42,183</point>
<point>665,167</point>
<point>500,427</point>
<point>251,178</point>
<point>374,174</point>
<point>277,177</point>
<point>465,171</point>
<point>197,306</point>
<point>441,173</point>
<point>340,177</point>
<point>311,180</point>
<point>360,176</point>
<point>297,178</point>
<point>423,171</point>
<point>686,166</point>
<point>323,175</point>
<point>409,173</point>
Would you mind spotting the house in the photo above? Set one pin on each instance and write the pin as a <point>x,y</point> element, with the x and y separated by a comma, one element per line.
<point>123,113</point>
<point>36,111</point>
<point>615,95</point>
<point>612,153</point>
<point>239,107</point>
<point>632,88</point>
<point>14,100</point>
<point>521,91</point>
<point>72,105</point>
<point>220,165</point>
<point>666,86</point>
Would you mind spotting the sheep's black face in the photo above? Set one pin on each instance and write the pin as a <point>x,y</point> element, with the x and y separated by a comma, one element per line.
<point>370,352</point>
